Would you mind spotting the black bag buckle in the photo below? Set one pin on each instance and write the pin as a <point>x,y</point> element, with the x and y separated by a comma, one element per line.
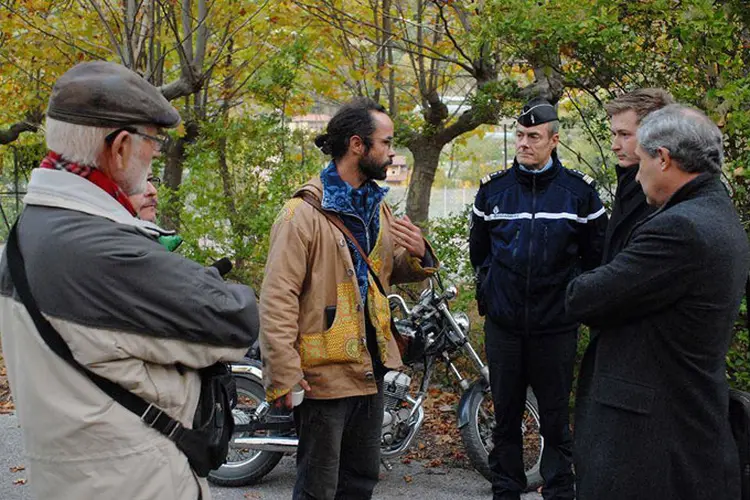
<point>154,417</point>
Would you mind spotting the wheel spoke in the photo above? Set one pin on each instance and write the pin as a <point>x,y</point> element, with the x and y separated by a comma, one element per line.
<point>532,439</point>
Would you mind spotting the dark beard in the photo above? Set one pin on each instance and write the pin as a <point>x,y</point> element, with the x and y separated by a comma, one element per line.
<point>372,169</point>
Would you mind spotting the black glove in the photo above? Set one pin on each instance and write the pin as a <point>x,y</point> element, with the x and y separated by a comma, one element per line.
<point>223,265</point>
<point>479,278</point>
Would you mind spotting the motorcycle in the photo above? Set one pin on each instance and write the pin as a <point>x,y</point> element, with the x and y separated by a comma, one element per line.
<point>263,435</point>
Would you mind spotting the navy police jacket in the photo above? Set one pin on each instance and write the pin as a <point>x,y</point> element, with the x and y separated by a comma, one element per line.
<point>531,234</point>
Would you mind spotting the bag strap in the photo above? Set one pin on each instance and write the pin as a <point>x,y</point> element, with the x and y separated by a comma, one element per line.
<point>336,221</point>
<point>150,414</point>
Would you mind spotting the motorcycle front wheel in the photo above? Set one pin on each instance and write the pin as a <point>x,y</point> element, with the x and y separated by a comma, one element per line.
<point>245,466</point>
<point>477,436</point>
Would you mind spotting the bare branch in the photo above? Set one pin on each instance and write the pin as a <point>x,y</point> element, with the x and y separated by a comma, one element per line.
<point>46,32</point>
<point>187,29</point>
<point>110,33</point>
<point>230,34</point>
<point>462,16</point>
<point>146,26</point>
<point>596,170</point>
<point>403,19</point>
<point>458,48</point>
<point>33,77</point>
<point>187,83</point>
<point>31,124</point>
<point>588,128</point>
<point>203,34</point>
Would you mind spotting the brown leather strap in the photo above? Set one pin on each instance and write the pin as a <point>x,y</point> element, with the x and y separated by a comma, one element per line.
<point>336,221</point>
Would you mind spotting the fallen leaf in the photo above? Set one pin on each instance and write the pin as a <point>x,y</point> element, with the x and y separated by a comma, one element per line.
<point>17,468</point>
<point>408,479</point>
<point>444,439</point>
<point>420,445</point>
<point>446,408</point>
<point>252,495</point>
<point>19,482</point>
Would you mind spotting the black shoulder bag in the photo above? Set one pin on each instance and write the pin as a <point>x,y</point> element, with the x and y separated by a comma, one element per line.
<point>206,445</point>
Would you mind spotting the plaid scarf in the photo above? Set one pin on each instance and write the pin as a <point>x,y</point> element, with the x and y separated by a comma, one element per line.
<point>54,161</point>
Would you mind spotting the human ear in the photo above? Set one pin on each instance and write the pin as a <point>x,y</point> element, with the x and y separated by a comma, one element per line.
<point>665,158</point>
<point>357,145</point>
<point>120,150</point>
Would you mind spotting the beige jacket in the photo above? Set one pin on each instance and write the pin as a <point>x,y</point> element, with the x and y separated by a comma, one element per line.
<point>310,268</point>
<point>131,312</point>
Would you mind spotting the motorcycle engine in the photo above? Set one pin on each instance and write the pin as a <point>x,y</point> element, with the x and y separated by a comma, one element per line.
<point>397,408</point>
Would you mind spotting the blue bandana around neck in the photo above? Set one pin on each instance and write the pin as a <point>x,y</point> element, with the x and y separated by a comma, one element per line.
<point>359,208</point>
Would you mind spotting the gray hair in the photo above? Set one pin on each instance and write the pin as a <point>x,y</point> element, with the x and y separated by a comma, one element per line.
<point>554,127</point>
<point>77,143</point>
<point>692,139</point>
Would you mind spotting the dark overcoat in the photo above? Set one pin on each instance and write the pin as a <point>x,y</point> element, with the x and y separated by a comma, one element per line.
<point>651,411</point>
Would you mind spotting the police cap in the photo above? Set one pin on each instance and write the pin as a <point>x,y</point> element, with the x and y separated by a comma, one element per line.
<point>536,112</point>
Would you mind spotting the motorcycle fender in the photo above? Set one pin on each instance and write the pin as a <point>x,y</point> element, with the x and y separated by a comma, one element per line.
<point>248,366</point>
<point>476,389</point>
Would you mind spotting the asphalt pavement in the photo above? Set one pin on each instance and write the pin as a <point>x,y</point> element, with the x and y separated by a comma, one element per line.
<point>404,481</point>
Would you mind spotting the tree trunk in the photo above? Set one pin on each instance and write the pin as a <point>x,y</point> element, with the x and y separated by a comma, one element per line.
<point>426,151</point>
<point>173,166</point>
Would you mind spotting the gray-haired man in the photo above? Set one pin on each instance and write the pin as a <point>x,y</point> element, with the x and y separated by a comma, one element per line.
<point>656,422</point>
<point>129,310</point>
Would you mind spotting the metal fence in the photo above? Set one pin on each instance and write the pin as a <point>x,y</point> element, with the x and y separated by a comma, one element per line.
<point>443,201</point>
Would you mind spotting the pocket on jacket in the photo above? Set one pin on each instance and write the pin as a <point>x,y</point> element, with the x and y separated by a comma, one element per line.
<point>330,313</point>
<point>624,395</point>
<point>341,342</point>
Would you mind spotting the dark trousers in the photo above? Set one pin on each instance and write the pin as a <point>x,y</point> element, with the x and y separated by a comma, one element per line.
<point>338,456</point>
<point>546,363</point>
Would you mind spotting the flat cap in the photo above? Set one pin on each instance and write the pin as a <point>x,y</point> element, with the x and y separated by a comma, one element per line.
<point>105,94</point>
<point>536,112</point>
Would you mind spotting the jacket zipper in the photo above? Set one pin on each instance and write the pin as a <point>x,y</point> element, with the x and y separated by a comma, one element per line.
<point>531,246</point>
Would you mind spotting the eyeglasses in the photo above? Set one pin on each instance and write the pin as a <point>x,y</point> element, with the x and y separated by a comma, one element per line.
<point>160,142</point>
<point>156,181</point>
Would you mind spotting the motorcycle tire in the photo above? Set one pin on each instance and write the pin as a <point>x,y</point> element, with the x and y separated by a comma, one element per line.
<point>241,470</point>
<point>477,437</point>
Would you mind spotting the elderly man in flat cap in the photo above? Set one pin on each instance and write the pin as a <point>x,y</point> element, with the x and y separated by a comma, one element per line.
<point>534,227</point>
<point>88,293</point>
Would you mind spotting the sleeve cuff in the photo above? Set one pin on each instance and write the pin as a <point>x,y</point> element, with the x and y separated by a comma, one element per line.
<point>429,260</point>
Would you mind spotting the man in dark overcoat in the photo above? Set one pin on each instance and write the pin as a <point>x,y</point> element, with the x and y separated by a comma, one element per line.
<point>655,422</point>
<point>629,204</point>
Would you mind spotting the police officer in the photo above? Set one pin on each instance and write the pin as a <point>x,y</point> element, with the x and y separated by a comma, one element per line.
<point>534,227</point>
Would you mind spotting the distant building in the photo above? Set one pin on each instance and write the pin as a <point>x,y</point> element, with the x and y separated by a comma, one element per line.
<point>398,172</point>
<point>312,122</point>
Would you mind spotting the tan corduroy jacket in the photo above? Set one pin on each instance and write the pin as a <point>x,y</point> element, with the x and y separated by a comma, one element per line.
<point>309,269</point>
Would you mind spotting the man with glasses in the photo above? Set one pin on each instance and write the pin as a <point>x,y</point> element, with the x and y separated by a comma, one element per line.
<point>533,228</point>
<point>90,265</point>
<point>146,203</point>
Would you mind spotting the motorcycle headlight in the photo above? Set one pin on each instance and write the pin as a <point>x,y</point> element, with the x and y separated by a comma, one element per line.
<point>462,319</point>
